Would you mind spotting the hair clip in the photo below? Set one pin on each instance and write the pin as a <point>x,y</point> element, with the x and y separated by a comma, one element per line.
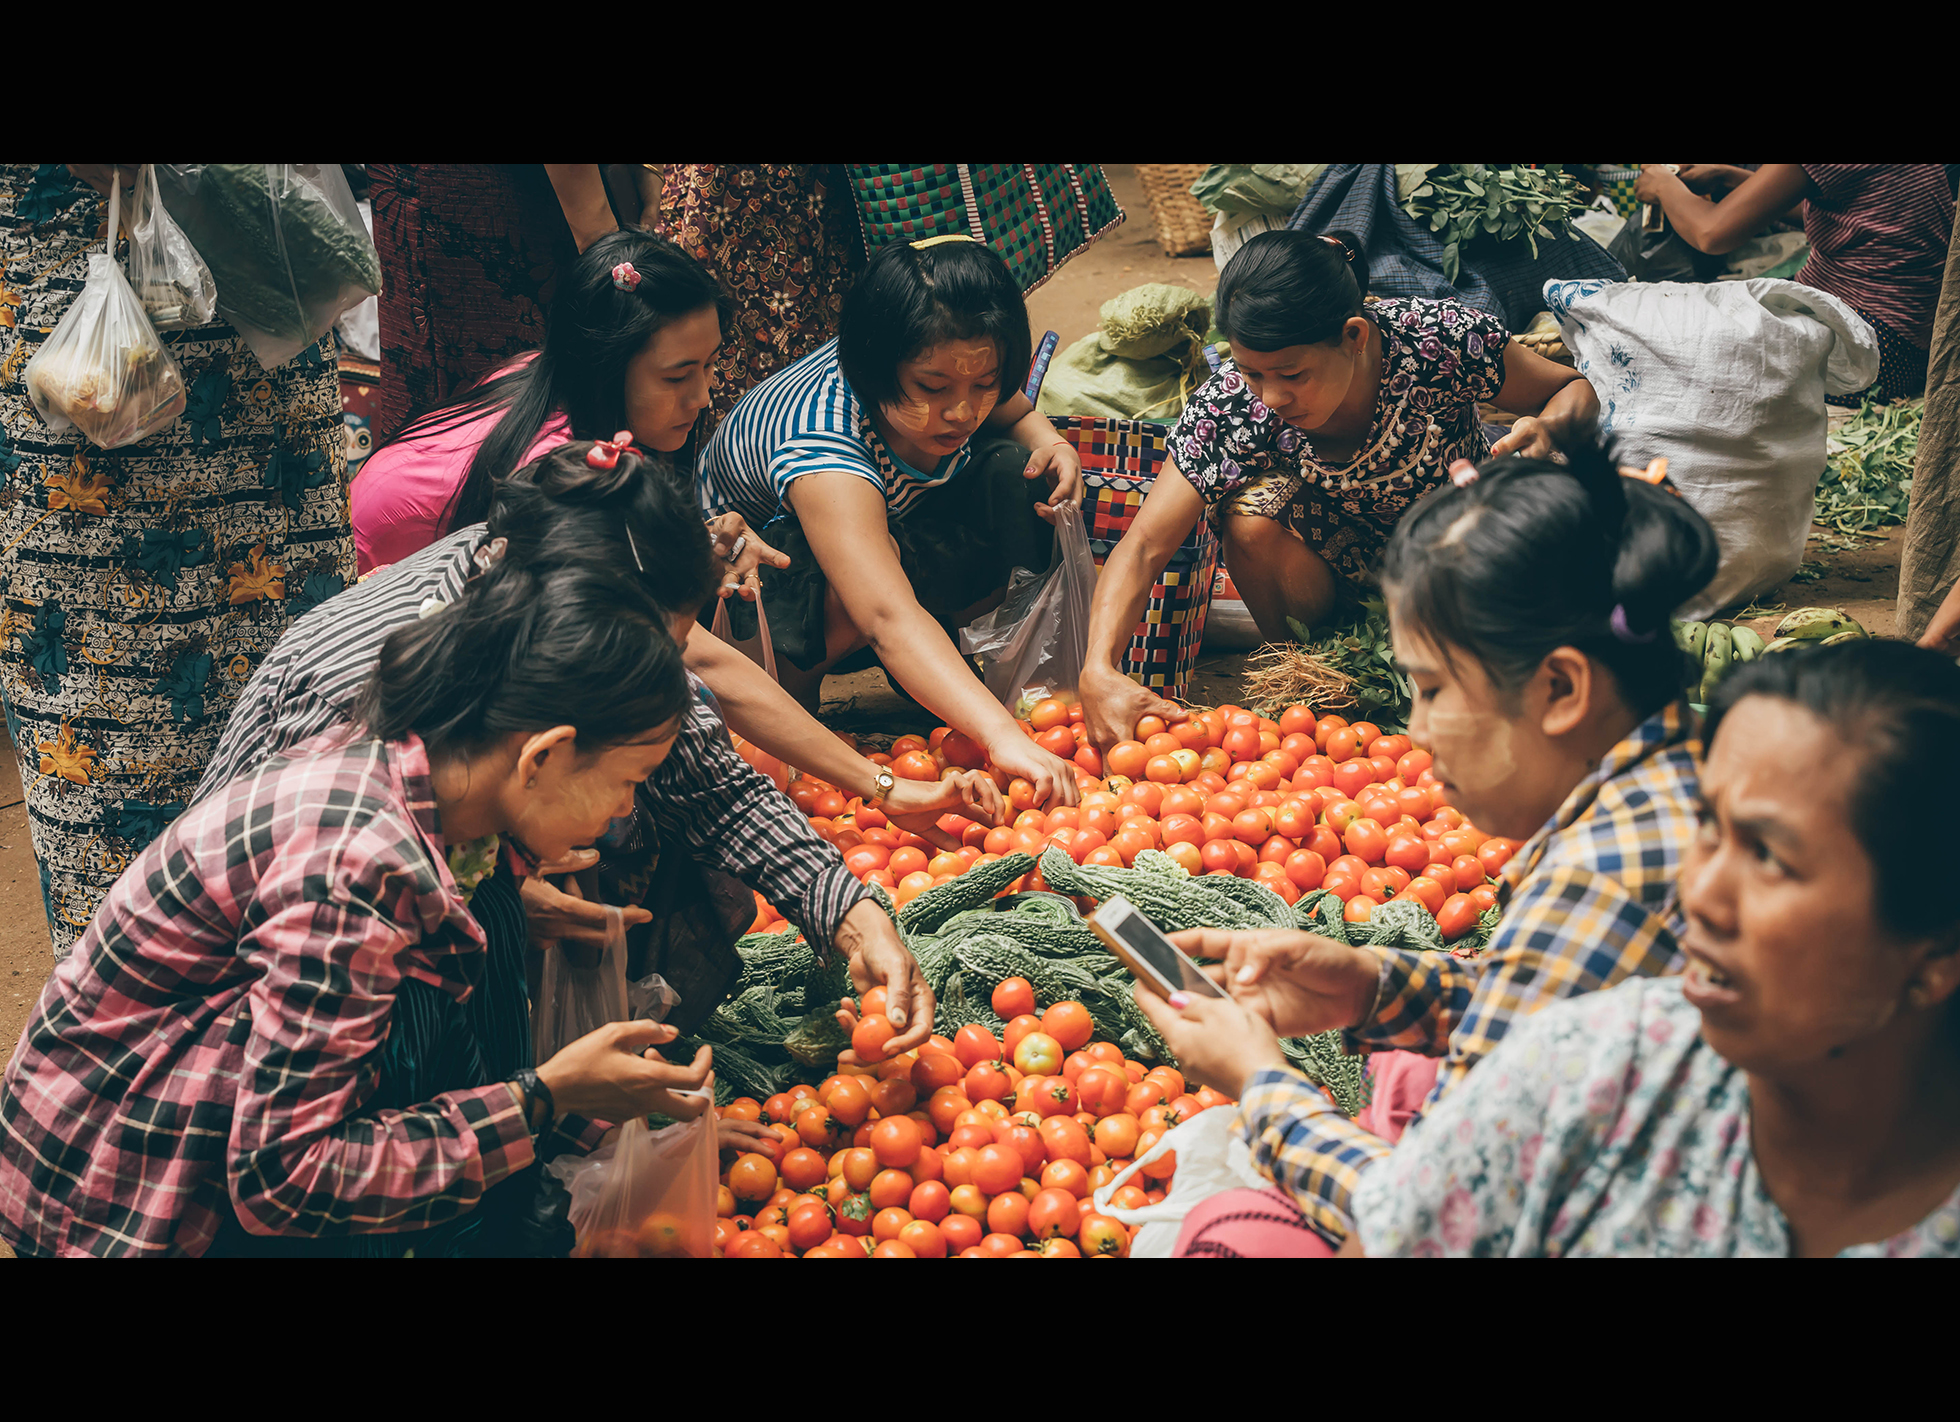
<point>605,453</point>
<point>634,548</point>
<point>1463,473</point>
<point>926,242</point>
<point>1625,633</point>
<point>1346,251</point>
<point>625,278</point>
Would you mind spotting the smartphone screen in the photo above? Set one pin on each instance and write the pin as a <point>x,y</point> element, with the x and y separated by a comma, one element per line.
<point>1141,945</point>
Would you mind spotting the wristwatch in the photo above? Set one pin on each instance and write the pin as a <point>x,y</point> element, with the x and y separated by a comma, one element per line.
<point>883,782</point>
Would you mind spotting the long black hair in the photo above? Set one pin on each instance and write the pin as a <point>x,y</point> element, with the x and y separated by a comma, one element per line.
<point>907,301</point>
<point>1898,707</point>
<point>1290,288</point>
<point>593,330</point>
<point>525,649</point>
<point>639,520</point>
<point>1536,555</point>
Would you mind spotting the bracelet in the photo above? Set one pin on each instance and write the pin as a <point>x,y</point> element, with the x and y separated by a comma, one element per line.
<point>536,1094</point>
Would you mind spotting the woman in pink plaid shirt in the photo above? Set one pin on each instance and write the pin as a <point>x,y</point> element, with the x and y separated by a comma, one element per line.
<point>201,1075</point>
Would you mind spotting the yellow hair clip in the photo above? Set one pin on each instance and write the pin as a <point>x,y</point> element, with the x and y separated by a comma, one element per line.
<point>926,242</point>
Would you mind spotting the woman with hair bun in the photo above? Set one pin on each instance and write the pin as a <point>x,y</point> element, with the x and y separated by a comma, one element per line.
<point>1530,609</point>
<point>1331,419</point>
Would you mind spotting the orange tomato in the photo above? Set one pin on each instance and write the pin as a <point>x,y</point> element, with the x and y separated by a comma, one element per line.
<point>752,1177</point>
<point>1367,840</point>
<point>1070,1024</point>
<point>1360,908</point>
<point>1048,714</point>
<point>924,1239</point>
<point>1116,1135</point>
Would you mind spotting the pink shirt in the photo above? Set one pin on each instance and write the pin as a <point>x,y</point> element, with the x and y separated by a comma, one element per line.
<point>401,497</point>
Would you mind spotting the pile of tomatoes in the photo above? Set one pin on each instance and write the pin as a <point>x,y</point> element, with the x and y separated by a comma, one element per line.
<point>977,1147</point>
<point>1304,802</point>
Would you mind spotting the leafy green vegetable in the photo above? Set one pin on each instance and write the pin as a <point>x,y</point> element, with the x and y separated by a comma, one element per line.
<point>1472,202</point>
<point>1343,668</point>
<point>1867,481</point>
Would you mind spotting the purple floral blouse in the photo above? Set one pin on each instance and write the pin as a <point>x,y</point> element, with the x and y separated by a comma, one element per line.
<point>1604,1125</point>
<point>1439,358</point>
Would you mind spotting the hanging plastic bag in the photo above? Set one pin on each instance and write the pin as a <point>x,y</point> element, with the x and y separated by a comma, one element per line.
<point>170,278</point>
<point>285,243</point>
<point>649,1194</point>
<point>651,998</point>
<point>1211,1157</point>
<point>1033,645</point>
<point>577,994</point>
<point>103,370</point>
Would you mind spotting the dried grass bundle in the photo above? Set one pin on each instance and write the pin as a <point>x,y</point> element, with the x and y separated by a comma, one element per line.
<point>1287,674</point>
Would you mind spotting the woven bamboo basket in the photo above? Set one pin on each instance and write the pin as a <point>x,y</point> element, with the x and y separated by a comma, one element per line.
<point>1183,225</point>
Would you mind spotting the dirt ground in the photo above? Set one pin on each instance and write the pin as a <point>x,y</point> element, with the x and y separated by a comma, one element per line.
<point>1862,579</point>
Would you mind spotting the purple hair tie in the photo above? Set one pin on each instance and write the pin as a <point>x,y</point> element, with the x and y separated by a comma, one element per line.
<point>1627,634</point>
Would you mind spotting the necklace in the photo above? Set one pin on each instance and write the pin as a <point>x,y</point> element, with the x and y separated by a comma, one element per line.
<point>1391,421</point>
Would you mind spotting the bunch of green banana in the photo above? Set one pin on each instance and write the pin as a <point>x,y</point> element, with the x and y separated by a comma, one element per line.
<point>1715,647</point>
<point>1826,626</point>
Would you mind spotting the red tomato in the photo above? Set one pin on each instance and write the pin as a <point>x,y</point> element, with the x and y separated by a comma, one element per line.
<point>1411,766</point>
<point>1052,1096</point>
<point>1069,1023</point>
<point>1469,871</point>
<point>1440,874</point>
<point>1065,1139</point>
<point>1457,916</point>
<point>1014,1031</point>
<point>1253,826</point>
<point>869,1037</point>
<point>1305,868</point>
<point>1484,896</point>
<point>974,1044</point>
<point>987,1082</point>
<point>1013,997</point>
<point>1101,1089</point>
<point>1220,856</point>
<point>1407,853</point>
<point>1007,1214</point>
<point>1294,818</point>
<point>1187,857</point>
<point>933,1070</point>
<point>1273,876</point>
<point>1276,849</point>
<point>1367,840</point>
<point>1054,1214</point>
<point>1360,908</point>
<point>1494,854</point>
<point>1427,891</point>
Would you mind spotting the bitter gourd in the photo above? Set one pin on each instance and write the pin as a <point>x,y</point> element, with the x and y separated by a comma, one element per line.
<point>1321,1059</point>
<point>993,957</point>
<point>1171,904</point>
<point>1250,895</point>
<point>970,890</point>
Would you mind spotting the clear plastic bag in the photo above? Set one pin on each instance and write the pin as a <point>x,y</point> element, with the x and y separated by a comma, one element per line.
<point>285,243</point>
<point>765,763</point>
<point>648,1195</point>
<point>578,995</point>
<point>170,278</point>
<point>1211,1157</point>
<point>1033,644</point>
<point>103,370</point>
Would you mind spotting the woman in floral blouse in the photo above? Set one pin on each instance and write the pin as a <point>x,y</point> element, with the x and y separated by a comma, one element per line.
<point>1797,1091</point>
<point>1328,423</point>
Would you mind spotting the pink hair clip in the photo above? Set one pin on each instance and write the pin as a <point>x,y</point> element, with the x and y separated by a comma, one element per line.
<point>625,278</point>
<point>605,453</point>
<point>1463,473</point>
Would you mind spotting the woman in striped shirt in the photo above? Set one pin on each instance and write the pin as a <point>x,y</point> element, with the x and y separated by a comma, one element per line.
<point>902,471</point>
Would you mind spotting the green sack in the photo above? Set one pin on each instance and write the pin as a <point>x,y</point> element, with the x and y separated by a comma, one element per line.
<point>1143,363</point>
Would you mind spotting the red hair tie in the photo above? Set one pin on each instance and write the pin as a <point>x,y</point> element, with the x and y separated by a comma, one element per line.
<point>605,453</point>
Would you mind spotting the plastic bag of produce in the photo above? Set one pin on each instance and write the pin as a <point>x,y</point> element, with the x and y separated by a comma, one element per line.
<point>582,990</point>
<point>170,278</point>
<point>103,370</point>
<point>647,1195</point>
<point>1210,1158</point>
<point>1142,364</point>
<point>1033,644</point>
<point>285,243</point>
<point>1726,381</point>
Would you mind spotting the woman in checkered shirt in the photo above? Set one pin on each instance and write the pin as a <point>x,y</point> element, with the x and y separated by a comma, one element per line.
<point>205,1073</point>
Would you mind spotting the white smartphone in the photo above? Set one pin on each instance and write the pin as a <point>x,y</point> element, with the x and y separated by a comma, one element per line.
<point>1141,946</point>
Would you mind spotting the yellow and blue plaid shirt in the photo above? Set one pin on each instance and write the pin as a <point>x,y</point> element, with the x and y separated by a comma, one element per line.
<point>1588,902</point>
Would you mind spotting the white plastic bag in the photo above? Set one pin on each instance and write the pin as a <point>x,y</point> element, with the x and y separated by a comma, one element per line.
<point>1727,381</point>
<point>1033,645</point>
<point>284,242</point>
<point>573,998</point>
<point>170,278</point>
<point>103,370</point>
<point>1211,1158</point>
<point>648,1195</point>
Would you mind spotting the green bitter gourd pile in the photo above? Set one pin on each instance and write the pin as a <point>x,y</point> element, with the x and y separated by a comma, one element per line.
<point>779,1026</point>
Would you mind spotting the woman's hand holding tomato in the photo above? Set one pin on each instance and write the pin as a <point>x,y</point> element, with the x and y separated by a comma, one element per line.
<point>916,805</point>
<point>1112,705</point>
<point>878,957</point>
<point>1052,777</point>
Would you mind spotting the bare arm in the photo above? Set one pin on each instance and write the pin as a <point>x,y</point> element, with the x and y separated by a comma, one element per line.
<point>1546,394</point>
<point>581,190</point>
<point>843,516</point>
<point>1111,702</point>
<point>1719,228</point>
<point>1050,456</point>
<point>760,711</point>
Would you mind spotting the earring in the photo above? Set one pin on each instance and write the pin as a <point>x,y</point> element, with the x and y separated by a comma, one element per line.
<point>532,783</point>
<point>1917,996</point>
